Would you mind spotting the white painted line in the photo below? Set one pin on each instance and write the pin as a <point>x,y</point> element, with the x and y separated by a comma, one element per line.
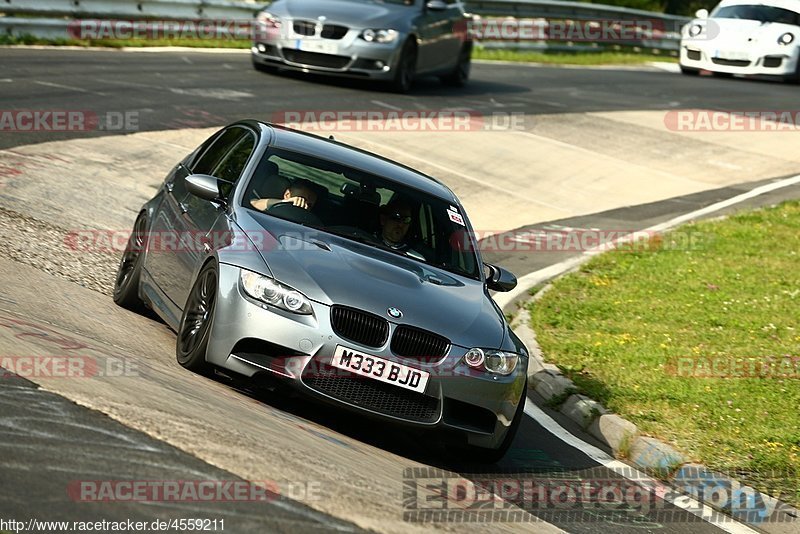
<point>6,80</point>
<point>387,106</point>
<point>665,66</point>
<point>767,188</point>
<point>692,506</point>
<point>69,87</point>
<point>526,282</point>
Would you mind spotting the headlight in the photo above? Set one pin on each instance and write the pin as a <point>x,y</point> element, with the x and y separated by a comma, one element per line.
<point>272,292</point>
<point>379,36</point>
<point>494,361</point>
<point>268,19</point>
<point>474,358</point>
<point>502,363</point>
<point>695,30</point>
<point>786,38</point>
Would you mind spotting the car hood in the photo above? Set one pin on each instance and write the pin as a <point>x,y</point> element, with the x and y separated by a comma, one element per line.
<point>745,33</point>
<point>335,270</point>
<point>352,13</point>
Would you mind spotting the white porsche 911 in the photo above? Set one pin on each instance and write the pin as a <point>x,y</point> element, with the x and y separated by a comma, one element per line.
<point>744,37</point>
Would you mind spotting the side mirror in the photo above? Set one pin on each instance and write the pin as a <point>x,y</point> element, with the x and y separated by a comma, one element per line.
<point>701,13</point>
<point>436,5</point>
<point>203,186</point>
<point>500,279</point>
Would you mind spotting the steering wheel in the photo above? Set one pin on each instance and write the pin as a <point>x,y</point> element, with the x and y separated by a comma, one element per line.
<point>290,212</point>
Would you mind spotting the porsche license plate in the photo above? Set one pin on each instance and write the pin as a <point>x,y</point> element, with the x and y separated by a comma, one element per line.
<point>380,369</point>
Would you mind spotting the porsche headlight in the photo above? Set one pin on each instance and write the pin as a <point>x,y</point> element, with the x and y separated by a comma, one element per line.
<point>695,30</point>
<point>786,39</point>
<point>379,36</point>
<point>272,292</point>
<point>495,361</point>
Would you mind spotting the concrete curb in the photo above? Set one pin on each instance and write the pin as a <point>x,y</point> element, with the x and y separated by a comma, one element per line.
<point>655,457</point>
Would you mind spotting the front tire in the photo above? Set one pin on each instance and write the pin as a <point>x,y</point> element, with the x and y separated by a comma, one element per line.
<point>460,75</point>
<point>406,69</point>
<point>126,285</point>
<point>689,71</point>
<point>198,316</point>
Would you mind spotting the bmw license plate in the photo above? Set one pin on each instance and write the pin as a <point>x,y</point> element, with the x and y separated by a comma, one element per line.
<point>316,45</point>
<point>380,369</point>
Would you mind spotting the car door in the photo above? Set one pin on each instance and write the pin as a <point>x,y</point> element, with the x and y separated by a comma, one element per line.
<point>439,38</point>
<point>184,222</point>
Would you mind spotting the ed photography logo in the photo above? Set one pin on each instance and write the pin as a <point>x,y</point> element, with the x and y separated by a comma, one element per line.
<point>433,495</point>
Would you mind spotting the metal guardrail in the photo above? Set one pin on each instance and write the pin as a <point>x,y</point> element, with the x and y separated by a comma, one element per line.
<point>50,19</point>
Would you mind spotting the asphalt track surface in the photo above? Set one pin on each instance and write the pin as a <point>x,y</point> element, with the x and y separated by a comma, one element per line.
<point>187,90</point>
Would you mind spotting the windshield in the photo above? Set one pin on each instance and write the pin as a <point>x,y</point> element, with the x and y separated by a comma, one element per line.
<point>364,208</point>
<point>758,12</point>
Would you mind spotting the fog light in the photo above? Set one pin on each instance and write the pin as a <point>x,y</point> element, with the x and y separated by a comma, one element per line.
<point>379,64</point>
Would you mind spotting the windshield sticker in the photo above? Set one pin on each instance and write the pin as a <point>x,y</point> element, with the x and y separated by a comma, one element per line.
<point>455,217</point>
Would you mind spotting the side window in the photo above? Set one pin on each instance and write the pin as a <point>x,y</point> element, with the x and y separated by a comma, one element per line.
<point>226,160</point>
<point>224,143</point>
<point>232,164</point>
<point>198,161</point>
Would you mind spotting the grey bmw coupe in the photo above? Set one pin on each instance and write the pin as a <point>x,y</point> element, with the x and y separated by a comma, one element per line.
<point>389,40</point>
<point>352,278</point>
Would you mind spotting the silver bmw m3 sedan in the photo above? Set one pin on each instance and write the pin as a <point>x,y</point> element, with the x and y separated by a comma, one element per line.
<point>352,278</point>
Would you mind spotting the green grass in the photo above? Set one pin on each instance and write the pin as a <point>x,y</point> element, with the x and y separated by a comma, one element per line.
<point>122,43</point>
<point>618,325</point>
<point>577,58</point>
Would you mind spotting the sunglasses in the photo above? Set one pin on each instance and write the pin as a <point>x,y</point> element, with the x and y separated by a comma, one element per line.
<point>399,217</point>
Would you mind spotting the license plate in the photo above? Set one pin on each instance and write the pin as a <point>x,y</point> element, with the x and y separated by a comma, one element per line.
<point>380,369</point>
<point>732,55</point>
<point>315,45</point>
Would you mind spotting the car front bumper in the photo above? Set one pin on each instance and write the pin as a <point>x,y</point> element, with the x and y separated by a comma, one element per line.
<point>250,338</point>
<point>773,62</point>
<point>349,56</point>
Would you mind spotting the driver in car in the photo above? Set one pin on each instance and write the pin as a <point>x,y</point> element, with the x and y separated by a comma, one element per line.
<point>300,193</point>
<point>395,219</point>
